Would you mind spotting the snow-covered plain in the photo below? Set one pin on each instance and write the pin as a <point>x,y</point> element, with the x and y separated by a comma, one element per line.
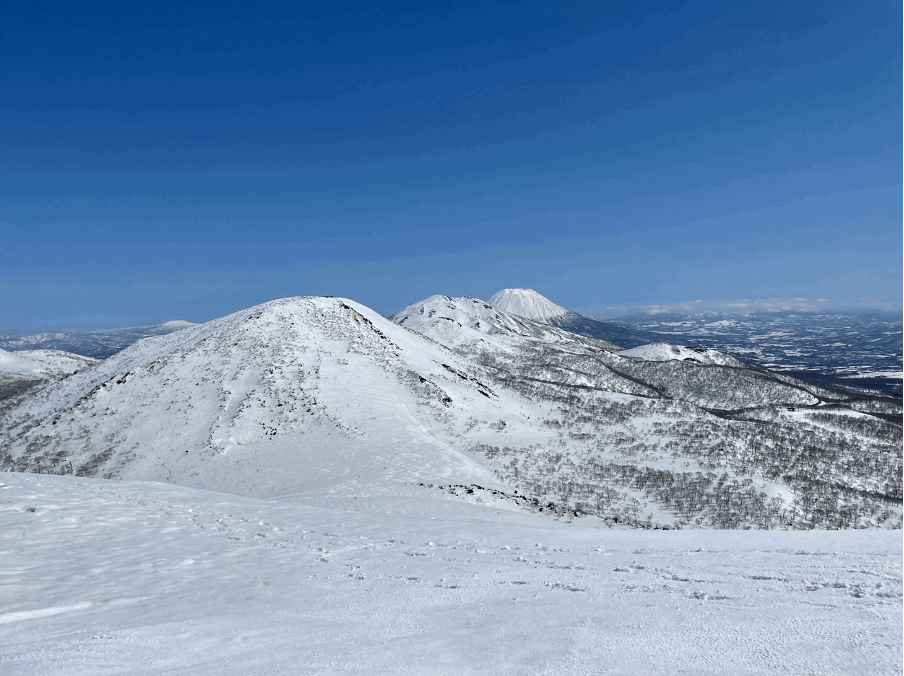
<point>127,577</point>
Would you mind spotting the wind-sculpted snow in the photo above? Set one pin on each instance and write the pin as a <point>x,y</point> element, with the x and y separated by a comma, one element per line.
<point>323,398</point>
<point>128,577</point>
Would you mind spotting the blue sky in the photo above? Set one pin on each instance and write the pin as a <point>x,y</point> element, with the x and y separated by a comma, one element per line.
<point>183,161</point>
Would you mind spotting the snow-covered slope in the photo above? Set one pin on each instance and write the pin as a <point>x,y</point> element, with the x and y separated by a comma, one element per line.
<point>531,305</point>
<point>527,303</point>
<point>125,577</point>
<point>316,395</point>
<point>42,363</point>
<point>466,320</point>
<point>24,371</point>
<point>669,352</point>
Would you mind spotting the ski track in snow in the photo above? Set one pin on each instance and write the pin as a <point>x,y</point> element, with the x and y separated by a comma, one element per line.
<point>108,577</point>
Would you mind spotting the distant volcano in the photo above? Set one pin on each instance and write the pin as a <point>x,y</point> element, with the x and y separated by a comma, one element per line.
<point>532,305</point>
<point>528,303</point>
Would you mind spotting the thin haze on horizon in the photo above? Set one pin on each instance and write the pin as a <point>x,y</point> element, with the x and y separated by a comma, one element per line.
<point>162,161</point>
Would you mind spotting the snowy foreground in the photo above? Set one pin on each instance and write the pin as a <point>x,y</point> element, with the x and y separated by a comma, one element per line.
<point>128,577</point>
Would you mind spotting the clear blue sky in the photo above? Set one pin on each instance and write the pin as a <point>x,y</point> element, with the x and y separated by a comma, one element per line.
<point>184,160</point>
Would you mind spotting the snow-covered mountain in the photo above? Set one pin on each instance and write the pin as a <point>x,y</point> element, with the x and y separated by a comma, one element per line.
<point>24,370</point>
<point>463,463</point>
<point>41,363</point>
<point>465,320</point>
<point>532,305</point>
<point>669,352</point>
<point>324,399</point>
<point>316,395</point>
<point>528,303</point>
<point>666,420</point>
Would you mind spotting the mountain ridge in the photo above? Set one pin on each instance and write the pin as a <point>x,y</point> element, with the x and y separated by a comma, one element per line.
<point>323,399</point>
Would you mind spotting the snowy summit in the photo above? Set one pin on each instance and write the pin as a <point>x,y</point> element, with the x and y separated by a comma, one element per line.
<point>527,303</point>
<point>177,324</point>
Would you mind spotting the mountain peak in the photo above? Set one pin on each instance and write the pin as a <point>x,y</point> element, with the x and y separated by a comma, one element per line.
<point>527,303</point>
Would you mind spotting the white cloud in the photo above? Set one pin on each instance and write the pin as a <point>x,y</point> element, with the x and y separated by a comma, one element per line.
<point>740,306</point>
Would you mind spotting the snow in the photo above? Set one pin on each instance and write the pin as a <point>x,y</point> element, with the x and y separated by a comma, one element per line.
<point>669,352</point>
<point>527,303</point>
<point>879,374</point>
<point>300,395</point>
<point>124,577</point>
<point>474,318</point>
<point>324,399</point>
<point>177,324</point>
<point>326,509</point>
<point>464,321</point>
<point>41,363</point>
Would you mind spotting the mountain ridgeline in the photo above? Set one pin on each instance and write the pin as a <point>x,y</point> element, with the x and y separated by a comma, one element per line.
<point>322,399</point>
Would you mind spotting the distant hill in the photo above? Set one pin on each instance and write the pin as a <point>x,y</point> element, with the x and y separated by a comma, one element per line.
<point>856,350</point>
<point>26,369</point>
<point>96,344</point>
<point>532,305</point>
